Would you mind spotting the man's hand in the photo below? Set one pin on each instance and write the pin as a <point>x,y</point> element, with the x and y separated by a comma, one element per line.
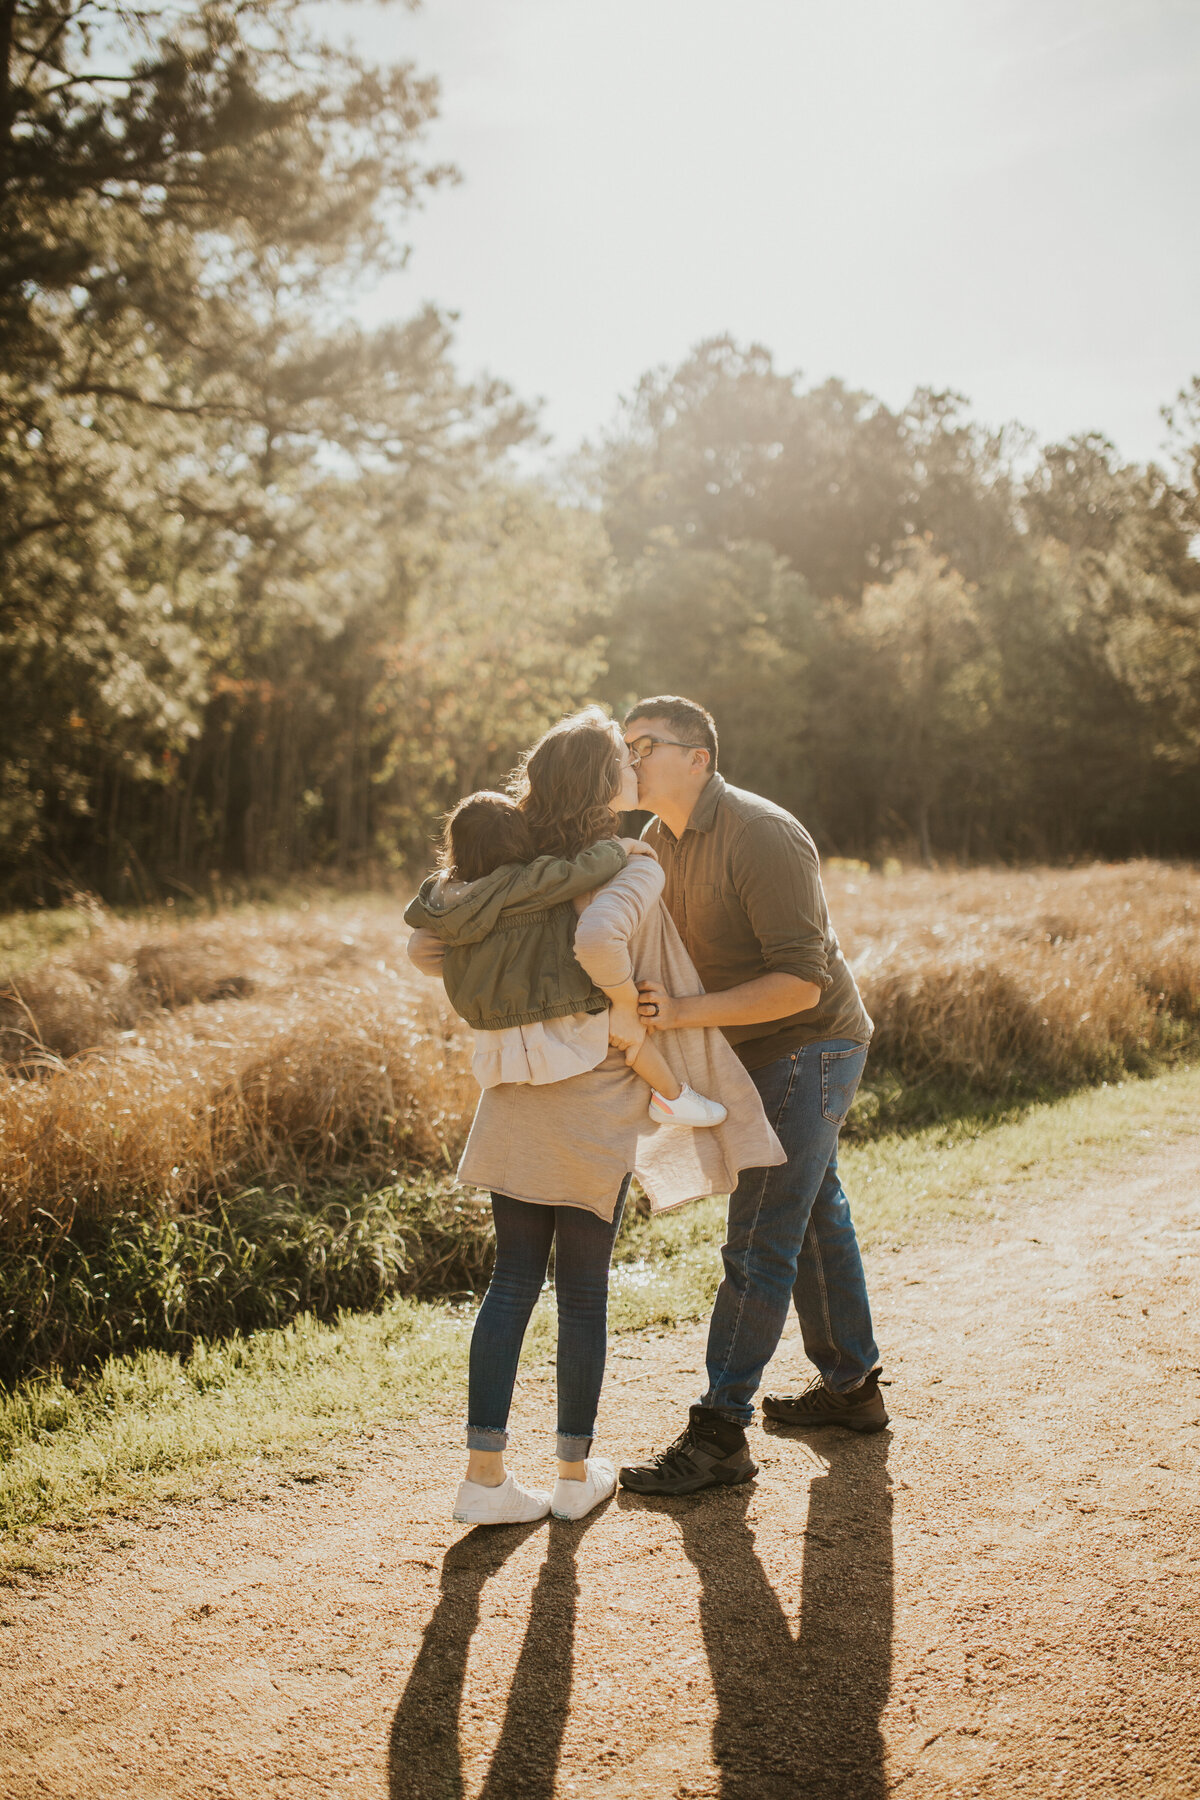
<point>656,1008</point>
<point>626,1030</point>
<point>775,995</point>
<point>637,847</point>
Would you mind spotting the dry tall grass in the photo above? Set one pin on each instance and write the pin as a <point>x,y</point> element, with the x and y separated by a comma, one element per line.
<point>999,979</point>
<point>153,1067</point>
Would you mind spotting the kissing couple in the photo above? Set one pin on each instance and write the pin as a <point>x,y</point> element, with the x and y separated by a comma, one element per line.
<point>674,1007</point>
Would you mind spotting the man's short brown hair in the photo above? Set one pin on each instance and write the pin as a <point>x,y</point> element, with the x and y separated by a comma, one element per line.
<point>693,723</point>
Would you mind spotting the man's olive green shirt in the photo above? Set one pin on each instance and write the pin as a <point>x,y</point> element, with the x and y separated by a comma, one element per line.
<point>744,889</point>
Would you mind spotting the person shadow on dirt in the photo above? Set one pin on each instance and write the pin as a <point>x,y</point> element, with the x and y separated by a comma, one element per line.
<point>798,1715</point>
<point>424,1753</point>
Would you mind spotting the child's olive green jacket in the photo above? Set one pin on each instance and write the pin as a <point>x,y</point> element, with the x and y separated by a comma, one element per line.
<point>510,937</point>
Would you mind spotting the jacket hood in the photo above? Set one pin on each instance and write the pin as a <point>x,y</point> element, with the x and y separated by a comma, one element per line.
<point>463,912</point>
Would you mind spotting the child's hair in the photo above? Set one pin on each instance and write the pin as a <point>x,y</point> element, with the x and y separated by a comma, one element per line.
<point>484,831</point>
<point>568,781</point>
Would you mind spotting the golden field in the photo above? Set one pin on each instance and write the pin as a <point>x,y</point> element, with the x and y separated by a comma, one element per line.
<point>992,977</point>
<point>150,1064</point>
<point>156,1065</point>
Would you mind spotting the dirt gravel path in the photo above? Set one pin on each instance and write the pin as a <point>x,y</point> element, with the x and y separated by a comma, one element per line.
<point>998,1596</point>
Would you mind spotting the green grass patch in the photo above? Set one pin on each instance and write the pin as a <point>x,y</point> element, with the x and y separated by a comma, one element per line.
<point>893,1102</point>
<point>158,1426</point>
<point>129,1282</point>
<point>958,1169</point>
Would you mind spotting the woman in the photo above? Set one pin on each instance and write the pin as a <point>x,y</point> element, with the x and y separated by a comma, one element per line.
<point>557,1157</point>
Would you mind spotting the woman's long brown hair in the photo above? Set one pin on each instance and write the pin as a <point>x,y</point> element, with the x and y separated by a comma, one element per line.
<point>565,786</point>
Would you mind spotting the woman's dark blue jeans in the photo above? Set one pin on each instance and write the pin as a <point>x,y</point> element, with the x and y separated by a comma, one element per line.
<point>583,1246</point>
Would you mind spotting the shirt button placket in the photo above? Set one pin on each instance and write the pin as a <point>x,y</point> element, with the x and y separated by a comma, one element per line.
<point>681,865</point>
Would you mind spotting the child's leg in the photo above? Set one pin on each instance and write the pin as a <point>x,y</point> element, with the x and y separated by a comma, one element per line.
<point>583,1249</point>
<point>524,1234</point>
<point>652,1066</point>
<point>672,1101</point>
<point>649,1062</point>
<point>681,1105</point>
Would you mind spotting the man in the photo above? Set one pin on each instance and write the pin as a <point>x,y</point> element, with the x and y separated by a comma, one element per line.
<point>744,889</point>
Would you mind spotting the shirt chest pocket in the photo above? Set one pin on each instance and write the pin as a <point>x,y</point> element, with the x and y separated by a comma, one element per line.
<point>714,912</point>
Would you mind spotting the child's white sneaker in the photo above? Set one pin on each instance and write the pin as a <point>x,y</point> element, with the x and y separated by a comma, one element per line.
<point>690,1108</point>
<point>572,1499</point>
<point>508,1504</point>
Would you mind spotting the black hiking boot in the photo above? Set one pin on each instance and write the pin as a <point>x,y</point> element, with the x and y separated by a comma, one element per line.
<point>712,1452</point>
<point>860,1410</point>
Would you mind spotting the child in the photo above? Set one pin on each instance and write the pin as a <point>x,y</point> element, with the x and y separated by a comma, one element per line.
<point>509,968</point>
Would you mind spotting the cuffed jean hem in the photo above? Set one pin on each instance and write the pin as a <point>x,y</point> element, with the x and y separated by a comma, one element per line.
<point>485,1437</point>
<point>572,1449</point>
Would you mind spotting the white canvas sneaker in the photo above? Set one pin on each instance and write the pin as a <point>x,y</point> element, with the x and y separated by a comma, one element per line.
<point>690,1108</point>
<point>574,1499</point>
<point>508,1504</point>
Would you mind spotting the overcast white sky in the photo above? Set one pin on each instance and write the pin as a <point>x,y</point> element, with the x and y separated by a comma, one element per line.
<point>999,196</point>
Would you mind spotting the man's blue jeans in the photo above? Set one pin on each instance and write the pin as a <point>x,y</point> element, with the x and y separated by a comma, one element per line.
<point>791,1237</point>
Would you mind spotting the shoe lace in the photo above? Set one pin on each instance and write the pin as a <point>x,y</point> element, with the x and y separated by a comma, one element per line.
<point>819,1396</point>
<point>674,1453</point>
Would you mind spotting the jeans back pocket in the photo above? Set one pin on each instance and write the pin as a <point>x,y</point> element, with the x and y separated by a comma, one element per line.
<point>841,1072</point>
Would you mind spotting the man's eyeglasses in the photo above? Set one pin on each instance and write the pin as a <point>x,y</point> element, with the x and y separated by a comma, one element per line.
<point>642,747</point>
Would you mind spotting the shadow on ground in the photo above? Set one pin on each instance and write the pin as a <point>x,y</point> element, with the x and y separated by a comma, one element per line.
<point>799,1715</point>
<point>796,1714</point>
<point>424,1756</point>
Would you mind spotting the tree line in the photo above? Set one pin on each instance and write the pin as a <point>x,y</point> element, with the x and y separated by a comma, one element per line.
<point>271,595</point>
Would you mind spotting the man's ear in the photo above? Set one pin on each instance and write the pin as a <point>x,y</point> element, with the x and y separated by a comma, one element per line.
<point>701,758</point>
